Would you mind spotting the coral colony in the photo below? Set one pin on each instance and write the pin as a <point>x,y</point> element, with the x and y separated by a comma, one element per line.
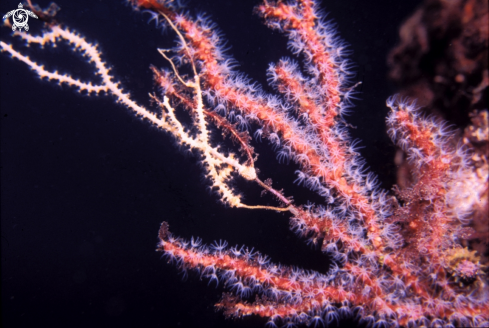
<point>398,259</point>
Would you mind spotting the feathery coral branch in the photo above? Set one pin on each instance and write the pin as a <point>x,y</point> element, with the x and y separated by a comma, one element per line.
<point>399,261</point>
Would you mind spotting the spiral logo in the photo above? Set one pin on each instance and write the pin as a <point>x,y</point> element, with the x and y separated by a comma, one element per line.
<point>20,18</point>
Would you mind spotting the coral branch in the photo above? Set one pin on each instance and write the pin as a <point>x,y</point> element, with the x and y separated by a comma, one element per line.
<point>398,260</point>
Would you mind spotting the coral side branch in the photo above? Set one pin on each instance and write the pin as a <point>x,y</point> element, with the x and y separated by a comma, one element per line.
<point>283,291</point>
<point>399,259</point>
